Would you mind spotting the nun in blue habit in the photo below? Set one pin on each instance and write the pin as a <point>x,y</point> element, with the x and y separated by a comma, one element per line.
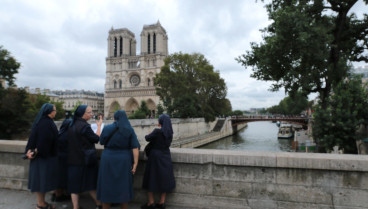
<point>118,163</point>
<point>159,175</point>
<point>82,177</point>
<point>41,149</point>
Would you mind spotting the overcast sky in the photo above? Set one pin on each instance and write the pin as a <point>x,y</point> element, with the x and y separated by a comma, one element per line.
<point>62,44</point>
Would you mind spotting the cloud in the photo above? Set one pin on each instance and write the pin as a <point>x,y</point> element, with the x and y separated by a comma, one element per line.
<point>63,44</point>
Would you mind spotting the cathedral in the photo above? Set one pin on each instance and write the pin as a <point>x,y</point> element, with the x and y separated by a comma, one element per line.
<point>130,77</point>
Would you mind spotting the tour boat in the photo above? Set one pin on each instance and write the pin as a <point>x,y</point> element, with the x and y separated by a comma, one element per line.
<point>285,131</point>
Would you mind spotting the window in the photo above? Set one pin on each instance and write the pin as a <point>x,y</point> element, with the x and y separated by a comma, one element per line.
<point>148,81</point>
<point>121,46</point>
<point>154,43</point>
<point>130,47</point>
<point>148,43</point>
<point>115,47</point>
<point>115,84</point>
<point>120,84</point>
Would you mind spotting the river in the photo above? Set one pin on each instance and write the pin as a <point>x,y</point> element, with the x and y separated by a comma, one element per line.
<point>257,136</point>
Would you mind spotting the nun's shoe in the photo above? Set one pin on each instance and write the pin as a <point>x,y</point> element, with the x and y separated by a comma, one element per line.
<point>160,206</point>
<point>145,206</point>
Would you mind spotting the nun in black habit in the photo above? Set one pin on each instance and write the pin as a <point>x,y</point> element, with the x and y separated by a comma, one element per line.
<point>82,177</point>
<point>41,149</point>
<point>159,175</point>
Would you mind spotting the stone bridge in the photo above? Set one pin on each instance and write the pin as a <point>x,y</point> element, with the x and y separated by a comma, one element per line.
<point>238,179</point>
<point>236,120</point>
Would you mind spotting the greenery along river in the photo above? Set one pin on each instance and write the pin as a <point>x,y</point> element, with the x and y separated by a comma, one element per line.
<point>258,136</point>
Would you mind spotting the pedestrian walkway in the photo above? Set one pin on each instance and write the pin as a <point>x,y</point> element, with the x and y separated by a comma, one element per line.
<point>15,199</point>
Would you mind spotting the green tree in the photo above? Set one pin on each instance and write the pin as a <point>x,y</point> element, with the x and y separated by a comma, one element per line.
<point>16,113</point>
<point>290,105</point>
<point>238,112</point>
<point>160,109</point>
<point>337,124</point>
<point>308,45</point>
<point>60,112</point>
<point>8,66</point>
<point>39,99</point>
<point>142,112</point>
<point>189,87</point>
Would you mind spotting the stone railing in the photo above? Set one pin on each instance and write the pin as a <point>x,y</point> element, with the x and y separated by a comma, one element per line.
<point>239,179</point>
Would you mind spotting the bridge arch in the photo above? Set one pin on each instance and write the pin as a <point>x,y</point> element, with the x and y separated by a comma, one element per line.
<point>152,107</point>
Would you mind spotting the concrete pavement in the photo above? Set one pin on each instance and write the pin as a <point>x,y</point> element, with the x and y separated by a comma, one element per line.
<point>17,199</point>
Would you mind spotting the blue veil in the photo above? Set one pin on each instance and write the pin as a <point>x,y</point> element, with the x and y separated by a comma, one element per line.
<point>46,109</point>
<point>122,122</point>
<point>166,126</point>
<point>79,112</point>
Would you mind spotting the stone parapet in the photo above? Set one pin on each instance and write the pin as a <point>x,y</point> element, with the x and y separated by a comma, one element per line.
<point>238,179</point>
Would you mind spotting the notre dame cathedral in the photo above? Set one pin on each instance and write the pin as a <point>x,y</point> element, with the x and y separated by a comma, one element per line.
<point>130,77</point>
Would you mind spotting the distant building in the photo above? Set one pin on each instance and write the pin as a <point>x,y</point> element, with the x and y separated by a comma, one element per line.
<point>130,77</point>
<point>71,98</point>
<point>256,110</point>
<point>53,97</point>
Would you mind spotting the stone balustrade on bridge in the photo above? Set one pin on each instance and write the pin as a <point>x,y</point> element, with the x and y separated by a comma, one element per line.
<point>238,179</point>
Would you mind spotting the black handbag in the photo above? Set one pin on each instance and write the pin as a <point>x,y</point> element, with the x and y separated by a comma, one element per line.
<point>148,148</point>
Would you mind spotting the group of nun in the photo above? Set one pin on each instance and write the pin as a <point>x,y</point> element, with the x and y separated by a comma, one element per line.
<point>57,159</point>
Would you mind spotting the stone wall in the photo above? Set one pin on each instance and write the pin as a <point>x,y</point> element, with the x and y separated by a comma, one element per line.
<point>182,128</point>
<point>239,179</point>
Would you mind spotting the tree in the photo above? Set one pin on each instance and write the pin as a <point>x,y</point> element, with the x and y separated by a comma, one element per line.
<point>160,109</point>
<point>337,124</point>
<point>8,66</point>
<point>39,99</point>
<point>308,46</point>
<point>238,113</point>
<point>16,112</point>
<point>142,112</point>
<point>290,105</point>
<point>189,87</point>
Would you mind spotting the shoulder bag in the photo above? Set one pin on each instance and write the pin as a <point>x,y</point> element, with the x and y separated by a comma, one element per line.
<point>148,148</point>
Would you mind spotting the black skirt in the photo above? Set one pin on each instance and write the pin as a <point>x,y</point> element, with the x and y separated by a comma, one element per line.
<point>82,178</point>
<point>158,174</point>
<point>43,174</point>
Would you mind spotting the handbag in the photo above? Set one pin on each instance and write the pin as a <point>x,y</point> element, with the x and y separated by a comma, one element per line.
<point>148,148</point>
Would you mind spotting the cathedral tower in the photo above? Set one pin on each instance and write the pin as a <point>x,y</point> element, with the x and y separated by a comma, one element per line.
<point>130,77</point>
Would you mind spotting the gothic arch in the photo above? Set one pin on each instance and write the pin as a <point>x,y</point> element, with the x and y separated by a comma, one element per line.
<point>152,107</point>
<point>113,107</point>
<point>131,106</point>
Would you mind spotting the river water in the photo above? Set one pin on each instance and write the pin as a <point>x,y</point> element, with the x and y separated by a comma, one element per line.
<point>257,136</point>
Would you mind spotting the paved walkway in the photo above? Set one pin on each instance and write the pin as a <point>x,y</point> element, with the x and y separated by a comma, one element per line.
<point>15,199</point>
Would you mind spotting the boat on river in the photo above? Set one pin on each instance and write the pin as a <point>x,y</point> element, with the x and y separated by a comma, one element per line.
<point>285,131</point>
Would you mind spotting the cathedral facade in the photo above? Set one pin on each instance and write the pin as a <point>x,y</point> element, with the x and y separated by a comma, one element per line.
<point>130,77</point>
